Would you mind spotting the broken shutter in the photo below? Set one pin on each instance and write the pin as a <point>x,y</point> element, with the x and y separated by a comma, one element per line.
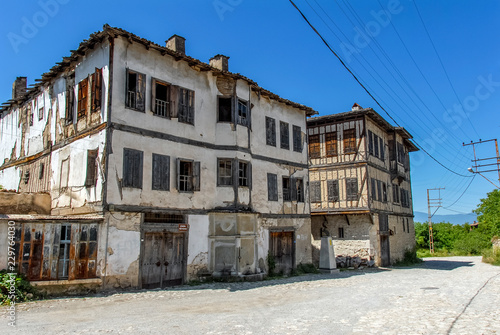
<point>370,142</point>
<point>91,168</point>
<point>161,172</point>
<point>153,95</point>
<point>174,101</point>
<point>272,187</point>
<point>196,176</point>
<point>333,190</point>
<point>315,191</point>
<point>141,92</point>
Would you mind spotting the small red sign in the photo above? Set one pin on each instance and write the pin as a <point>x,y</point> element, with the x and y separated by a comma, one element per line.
<point>183,227</point>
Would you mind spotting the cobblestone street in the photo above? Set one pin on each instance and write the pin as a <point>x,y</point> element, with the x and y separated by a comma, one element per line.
<point>455,295</point>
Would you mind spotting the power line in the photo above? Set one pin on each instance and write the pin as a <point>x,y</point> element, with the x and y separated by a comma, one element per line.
<point>442,65</point>
<point>366,90</point>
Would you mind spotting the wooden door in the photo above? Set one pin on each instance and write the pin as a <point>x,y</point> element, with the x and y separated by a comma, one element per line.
<point>385,250</point>
<point>174,263</point>
<point>152,260</point>
<point>282,250</point>
<point>162,260</point>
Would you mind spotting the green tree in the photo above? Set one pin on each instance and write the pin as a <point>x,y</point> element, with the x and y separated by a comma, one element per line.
<point>488,214</point>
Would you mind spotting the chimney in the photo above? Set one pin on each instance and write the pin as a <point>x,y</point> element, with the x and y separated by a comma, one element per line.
<point>356,107</point>
<point>177,43</point>
<point>219,62</point>
<point>19,87</point>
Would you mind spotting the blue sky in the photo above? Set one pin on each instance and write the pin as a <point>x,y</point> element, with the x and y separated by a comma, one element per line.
<point>383,42</point>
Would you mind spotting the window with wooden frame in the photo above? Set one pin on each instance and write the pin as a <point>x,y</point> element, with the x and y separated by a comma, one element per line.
<point>287,192</point>
<point>314,146</point>
<point>83,92</point>
<point>160,98</point>
<point>132,168</point>
<point>135,90</point>
<point>96,90</point>
<point>30,116</point>
<point>270,131</point>
<point>351,189</point>
<point>161,173</point>
<point>284,135</point>
<point>188,175</point>
<point>243,113</point>
<point>315,191</point>
<point>185,112</point>
<point>272,187</point>
<point>341,232</point>
<point>244,174</point>
<point>225,172</point>
<point>225,110</point>
<point>350,141</point>
<point>331,144</point>
<point>395,193</point>
<point>333,190</point>
<point>70,98</point>
<point>40,113</point>
<point>297,139</point>
<point>41,170</point>
<point>92,166</point>
<point>64,246</point>
<point>299,190</point>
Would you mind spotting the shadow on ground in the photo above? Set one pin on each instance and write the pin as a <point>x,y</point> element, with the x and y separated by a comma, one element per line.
<point>435,264</point>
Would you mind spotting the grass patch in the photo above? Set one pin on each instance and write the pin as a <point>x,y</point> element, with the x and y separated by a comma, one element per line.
<point>16,289</point>
<point>422,253</point>
<point>492,256</point>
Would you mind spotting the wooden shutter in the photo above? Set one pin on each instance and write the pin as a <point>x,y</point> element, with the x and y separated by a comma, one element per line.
<point>370,142</point>
<point>270,131</point>
<point>127,85</point>
<point>196,176</point>
<point>91,168</point>
<point>374,189</point>
<point>96,90</point>
<point>315,191</point>
<point>141,92</point>
<point>161,172</point>
<point>249,175</point>
<point>178,173</point>
<point>375,142</point>
<point>127,168</point>
<point>272,187</point>
<point>153,95</point>
<point>379,190</point>
<point>382,153</point>
<point>174,101</point>
<point>190,107</point>
<point>249,115</point>
<point>284,136</point>
<point>70,101</point>
<point>293,189</point>
<point>235,166</point>
<point>333,190</point>
<point>83,88</point>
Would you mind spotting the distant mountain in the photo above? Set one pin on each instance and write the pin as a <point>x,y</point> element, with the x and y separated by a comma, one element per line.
<point>458,219</point>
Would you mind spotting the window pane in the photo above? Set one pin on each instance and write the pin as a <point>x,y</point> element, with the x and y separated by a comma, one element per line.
<point>225,109</point>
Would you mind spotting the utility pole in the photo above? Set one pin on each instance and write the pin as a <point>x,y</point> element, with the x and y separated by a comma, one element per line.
<point>485,164</point>
<point>433,203</point>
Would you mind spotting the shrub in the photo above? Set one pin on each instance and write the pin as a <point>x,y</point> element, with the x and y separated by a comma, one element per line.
<point>473,244</point>
<point>305,268</point>
<point>23,289</point>
<point>492,256</point>
<point>271,265</point>
<point>409,258</point>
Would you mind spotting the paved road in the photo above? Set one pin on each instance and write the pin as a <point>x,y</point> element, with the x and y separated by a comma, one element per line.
<point>455,295</point>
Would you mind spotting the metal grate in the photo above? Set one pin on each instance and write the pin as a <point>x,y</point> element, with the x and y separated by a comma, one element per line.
<point>163,218</point>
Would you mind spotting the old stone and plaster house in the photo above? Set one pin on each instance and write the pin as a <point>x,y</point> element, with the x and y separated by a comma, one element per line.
<point>360,189</point>
<point>160,169</point>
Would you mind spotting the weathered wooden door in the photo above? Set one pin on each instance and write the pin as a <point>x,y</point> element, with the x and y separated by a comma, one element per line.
<point>385,250</point>
<point>282,250</point>
<point>162,260</point>
<point>174,253</point>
